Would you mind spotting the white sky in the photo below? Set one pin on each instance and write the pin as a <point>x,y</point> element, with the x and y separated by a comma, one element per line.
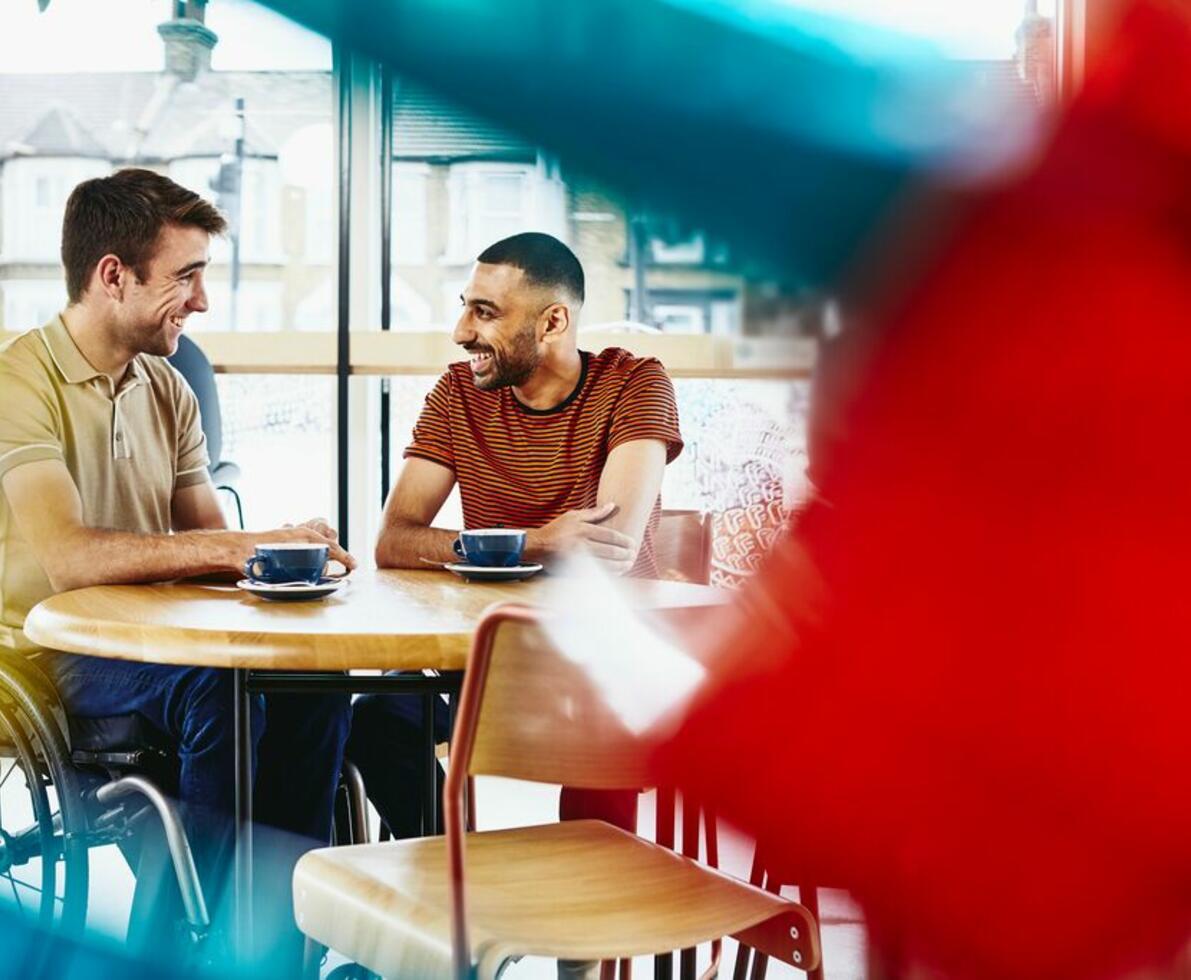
<point>120,35</point>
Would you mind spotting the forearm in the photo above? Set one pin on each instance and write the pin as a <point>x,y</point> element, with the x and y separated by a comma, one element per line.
<point>402,544</point>
<point>630,522</point>
<point>632,479</point>
<point>92,556</point>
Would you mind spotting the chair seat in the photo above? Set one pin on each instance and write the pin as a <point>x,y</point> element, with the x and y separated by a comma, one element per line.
<point>578,890</point>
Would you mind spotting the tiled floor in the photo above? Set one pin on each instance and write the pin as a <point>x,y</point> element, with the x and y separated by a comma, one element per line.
<point>501,803</point>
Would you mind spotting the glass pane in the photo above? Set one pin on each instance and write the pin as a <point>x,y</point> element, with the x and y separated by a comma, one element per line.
<point>407,395</point>
<point>280,431</point>
<point>226,98</point>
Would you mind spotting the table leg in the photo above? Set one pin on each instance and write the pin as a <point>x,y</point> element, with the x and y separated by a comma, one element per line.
<point>663,963</point>
<point>430,773</point>
<point>242,888</point>
<point>690,848</point>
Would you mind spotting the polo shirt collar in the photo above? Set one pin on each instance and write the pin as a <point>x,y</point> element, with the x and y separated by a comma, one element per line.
<point>73,365</point>
<point>68,359</point>
<point>136,371</point>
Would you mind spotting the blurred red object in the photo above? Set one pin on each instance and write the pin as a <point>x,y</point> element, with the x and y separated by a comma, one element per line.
<point>961,689</point>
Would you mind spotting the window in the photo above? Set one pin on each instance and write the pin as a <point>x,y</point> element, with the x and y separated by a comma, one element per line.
<point>689,251</point>
<point>490,201</point>
<point>232,122</point>
<point>692,310</point>
<point>33,193</point>
<point>410,213</point>
<point>247,124</point>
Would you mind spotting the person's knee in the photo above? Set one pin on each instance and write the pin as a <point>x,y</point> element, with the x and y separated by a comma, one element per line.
<point>376,720</point>
<point>208,707</point>
<point>382,740</point>
<point>367,717</point>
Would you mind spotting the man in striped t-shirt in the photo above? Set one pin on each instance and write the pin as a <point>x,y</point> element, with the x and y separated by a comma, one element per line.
<point>540,435</point>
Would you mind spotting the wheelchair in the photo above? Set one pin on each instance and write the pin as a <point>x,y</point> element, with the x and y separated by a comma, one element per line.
<point>68,785</point>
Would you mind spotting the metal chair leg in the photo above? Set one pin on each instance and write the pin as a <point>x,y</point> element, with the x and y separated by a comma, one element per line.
<point>357,798</point>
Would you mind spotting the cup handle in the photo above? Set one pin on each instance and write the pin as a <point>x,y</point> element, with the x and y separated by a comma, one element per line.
<point>458,546</point>
<point>250,569</point>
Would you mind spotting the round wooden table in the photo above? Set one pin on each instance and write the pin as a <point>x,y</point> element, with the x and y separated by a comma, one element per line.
<point>388,619</point>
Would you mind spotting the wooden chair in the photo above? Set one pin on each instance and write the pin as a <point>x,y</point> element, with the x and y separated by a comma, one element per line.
<point>683,550</point>
<point>467,903</point>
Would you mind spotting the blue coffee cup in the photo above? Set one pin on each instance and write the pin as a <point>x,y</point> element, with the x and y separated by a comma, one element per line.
<point>491,547</point>
<point>288,562</point>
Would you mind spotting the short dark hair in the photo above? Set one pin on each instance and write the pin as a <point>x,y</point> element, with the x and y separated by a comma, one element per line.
<point>543,258</point>
<point>123,214</point>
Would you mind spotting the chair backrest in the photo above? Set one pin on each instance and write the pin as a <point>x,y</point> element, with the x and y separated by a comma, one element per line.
<point>527,711</point>
<point>190,362</point>
<point>682,546</point>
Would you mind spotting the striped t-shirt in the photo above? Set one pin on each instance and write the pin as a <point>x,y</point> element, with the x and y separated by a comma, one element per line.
<point>521,467</point>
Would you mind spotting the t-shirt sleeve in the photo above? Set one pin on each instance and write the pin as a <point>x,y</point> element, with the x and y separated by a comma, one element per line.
<point>192,461</point>
<point>30,427</point>
<point>432,432</point>
<point>647,409</point>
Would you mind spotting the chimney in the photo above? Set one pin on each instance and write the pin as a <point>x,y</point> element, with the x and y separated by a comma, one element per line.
<point>188,41</point>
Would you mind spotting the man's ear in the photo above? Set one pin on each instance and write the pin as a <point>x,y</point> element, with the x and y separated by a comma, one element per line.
<point>112,275</point>
<point>557,321</point>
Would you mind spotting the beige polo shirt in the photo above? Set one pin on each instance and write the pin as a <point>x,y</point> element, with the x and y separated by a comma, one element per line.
<point>127,447</point>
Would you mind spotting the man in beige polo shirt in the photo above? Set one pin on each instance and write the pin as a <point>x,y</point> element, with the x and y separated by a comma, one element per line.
<point>103,472</point>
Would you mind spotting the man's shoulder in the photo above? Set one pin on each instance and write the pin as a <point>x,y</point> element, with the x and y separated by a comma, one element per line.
<point>27,356</point>
<point>615,365</point>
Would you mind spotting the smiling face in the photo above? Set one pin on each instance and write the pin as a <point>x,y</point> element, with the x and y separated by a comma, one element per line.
<point>155,309</point>
<point>499,326</point>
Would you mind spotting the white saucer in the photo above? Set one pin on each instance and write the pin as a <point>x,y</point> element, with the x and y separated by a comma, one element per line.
<point>486,573</point>
<point>291,591</point>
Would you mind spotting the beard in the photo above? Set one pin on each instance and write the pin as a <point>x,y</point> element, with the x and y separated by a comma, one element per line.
<point>156,336</point>
<point>513,366</point>
<point>158,342</point>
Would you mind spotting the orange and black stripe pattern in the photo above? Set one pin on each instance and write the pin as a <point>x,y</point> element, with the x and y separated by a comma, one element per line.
<point>519,467</point>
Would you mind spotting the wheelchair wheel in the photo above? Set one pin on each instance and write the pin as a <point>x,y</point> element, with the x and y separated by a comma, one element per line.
<point>43,825</point>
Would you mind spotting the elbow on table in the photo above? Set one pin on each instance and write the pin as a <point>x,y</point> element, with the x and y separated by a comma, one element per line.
<point>387,554</point>
<point>64,577</point>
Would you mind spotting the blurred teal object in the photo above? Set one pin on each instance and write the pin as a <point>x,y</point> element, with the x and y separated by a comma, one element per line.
<point>787,132</point>
<point>28,952</point>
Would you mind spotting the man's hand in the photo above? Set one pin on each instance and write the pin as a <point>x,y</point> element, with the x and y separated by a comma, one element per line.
<point>315,531</point>
<point>580,530</point>
<point>319,524</point>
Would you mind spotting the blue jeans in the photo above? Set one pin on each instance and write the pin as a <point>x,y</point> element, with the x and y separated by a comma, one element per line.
<point>297,742</point>
<point>386,746</point>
